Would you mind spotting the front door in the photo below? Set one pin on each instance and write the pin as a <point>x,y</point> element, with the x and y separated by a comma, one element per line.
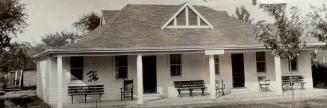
<point>149,74</point>
<point>238,70</point>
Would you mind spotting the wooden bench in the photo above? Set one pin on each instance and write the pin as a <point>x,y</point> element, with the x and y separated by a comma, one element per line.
<point>189,86</point>
<point>292,80</point>
<point>85,90</point>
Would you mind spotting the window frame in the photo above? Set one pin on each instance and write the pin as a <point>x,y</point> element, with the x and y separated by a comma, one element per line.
<point>72,67</point>
<point>264,61</point>
<point>217,63</point>
<point>173,64</point>
<point>116,67</point>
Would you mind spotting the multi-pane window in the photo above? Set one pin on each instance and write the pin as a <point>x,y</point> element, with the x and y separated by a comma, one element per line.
<point>217,64</point>
<point>261,61</point>
<point>175,65</point>
<point>293,65</point>
<point>76,68</point>
<point>121,67</point>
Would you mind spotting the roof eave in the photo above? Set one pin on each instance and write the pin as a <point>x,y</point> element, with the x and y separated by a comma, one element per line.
<point>156,49</point>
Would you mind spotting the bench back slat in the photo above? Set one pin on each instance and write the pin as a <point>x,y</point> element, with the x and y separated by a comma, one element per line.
<point>88,89</point>
<point>189,84</point>
<point>295,78</point>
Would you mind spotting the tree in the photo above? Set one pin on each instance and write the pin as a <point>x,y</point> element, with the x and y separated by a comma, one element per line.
<point>243,14</point>
<point>16,57</point>
<point>12,20</point>
<point>59,39</point>
<point>318,22</point>
<point>88,22</point>
<point>284,38</point>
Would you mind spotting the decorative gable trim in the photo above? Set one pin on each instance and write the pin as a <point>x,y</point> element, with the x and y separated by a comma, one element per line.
<point>187,7</point>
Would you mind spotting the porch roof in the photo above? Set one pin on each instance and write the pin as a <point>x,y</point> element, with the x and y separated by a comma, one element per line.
<point>160,50</point>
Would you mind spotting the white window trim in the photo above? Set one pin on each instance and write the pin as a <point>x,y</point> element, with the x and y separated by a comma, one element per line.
<point>114,68</point>
<point>256,61</point>
<point>169,66</point>
<point>187,6</point>
<point>77,81</point>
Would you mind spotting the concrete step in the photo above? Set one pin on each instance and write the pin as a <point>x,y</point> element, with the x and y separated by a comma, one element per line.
<point>270,95</point>
<point>243,90</point>
<point>151,96</point>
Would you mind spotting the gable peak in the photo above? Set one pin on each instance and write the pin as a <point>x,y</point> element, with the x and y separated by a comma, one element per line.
<point>187,17</point>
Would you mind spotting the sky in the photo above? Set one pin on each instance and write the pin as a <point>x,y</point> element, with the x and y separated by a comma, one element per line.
<point>50,16</point>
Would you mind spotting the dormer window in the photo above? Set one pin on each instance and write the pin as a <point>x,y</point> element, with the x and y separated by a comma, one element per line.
<point>187,17</point>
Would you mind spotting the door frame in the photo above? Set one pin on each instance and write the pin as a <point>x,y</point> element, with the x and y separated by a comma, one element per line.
<point>143,71</point>
<point>233,70</point>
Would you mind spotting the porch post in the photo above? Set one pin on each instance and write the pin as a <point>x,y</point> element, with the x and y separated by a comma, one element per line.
<point>139,72</point>
<point>212,77</point>
<point>59,82</point>
<point>278,73</point>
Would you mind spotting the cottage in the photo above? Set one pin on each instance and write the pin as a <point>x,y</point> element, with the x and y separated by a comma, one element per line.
<point>156,45</point>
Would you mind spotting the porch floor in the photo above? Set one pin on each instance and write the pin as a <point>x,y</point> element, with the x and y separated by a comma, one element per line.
<point>254,97</point>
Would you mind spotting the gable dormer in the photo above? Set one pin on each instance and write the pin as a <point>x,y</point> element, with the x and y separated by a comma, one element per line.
<point>187,17</point>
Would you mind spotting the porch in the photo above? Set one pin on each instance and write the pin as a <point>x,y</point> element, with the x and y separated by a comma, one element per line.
<point>203,101</point>
<point>238,69</point>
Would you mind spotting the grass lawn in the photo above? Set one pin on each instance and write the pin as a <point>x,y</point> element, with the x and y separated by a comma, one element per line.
<point>311,103</point>
<point>21,99</point>
<point>25,102</point>
<point>29,100</point>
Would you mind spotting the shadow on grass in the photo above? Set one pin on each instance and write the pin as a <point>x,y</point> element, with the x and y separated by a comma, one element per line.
<point>309,103</point>
<point>28,102</point>
<point>246,106</point>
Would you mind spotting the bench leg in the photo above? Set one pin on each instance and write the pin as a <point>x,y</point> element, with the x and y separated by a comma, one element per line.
<point>121,96</point>
<point>203,92</point>
<point>132,95</point>
<point>72,99</point>
<point>191,92</point>
<point>100,97</point>
<point>217,91</point>
<point>85,99</point>
<point>179,93</point>
<point>223,91</point>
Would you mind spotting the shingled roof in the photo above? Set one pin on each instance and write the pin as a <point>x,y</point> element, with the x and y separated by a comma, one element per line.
<point>109,15</point>
<point>138,26</point>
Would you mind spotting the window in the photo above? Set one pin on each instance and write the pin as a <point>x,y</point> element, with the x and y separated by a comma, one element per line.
<point>293,65</point>
<point>121,67</point>
<point>192,18</point>
<point>261,61</point>
<point>76,68</point>
<point>181,18</point>
<point>217,64</point>
<point>254,2</point>
<point>175,65</point>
